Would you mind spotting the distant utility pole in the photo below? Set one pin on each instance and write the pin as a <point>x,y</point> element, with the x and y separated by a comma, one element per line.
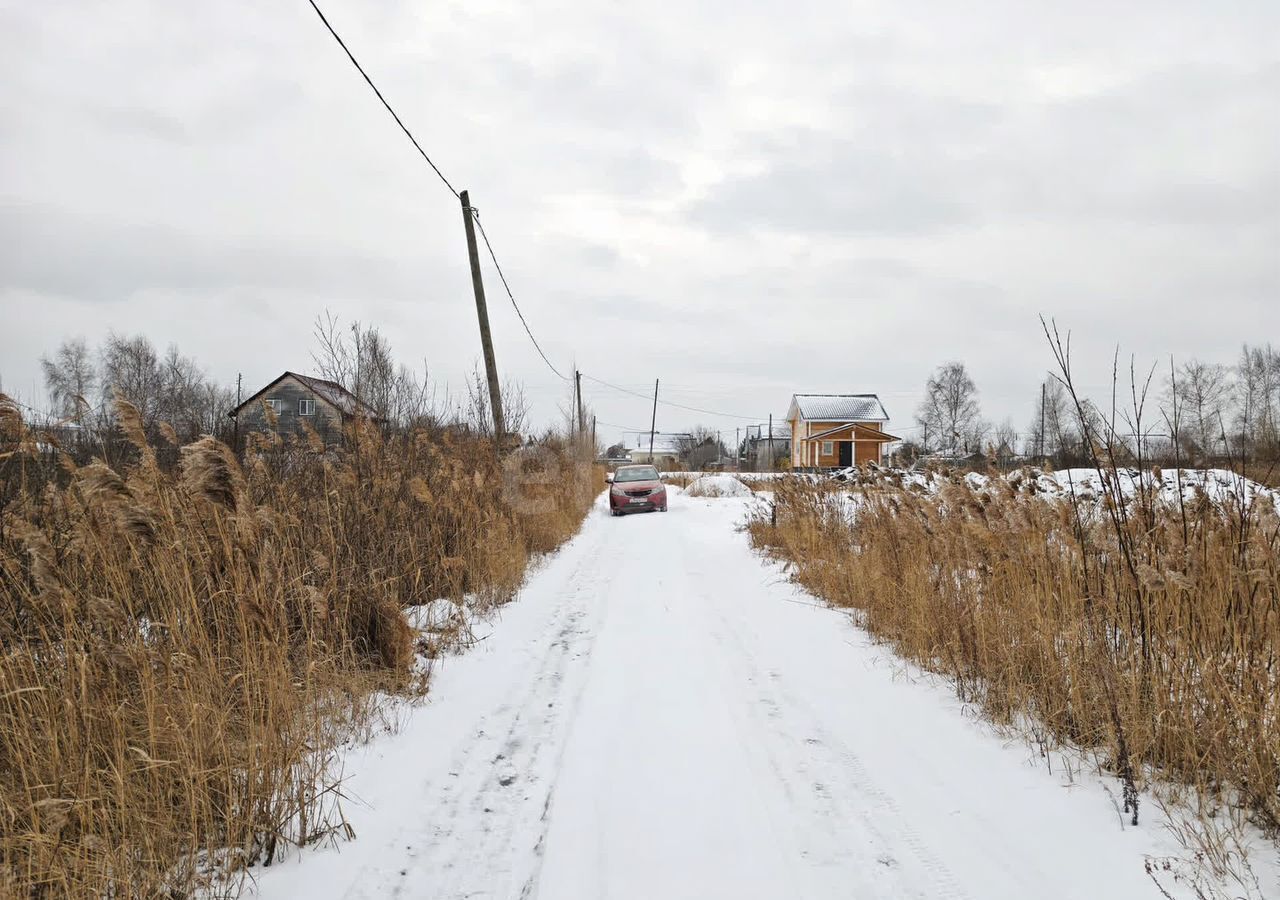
<point>653,422</point>
<point>1042,393</point>
<point>573,404</point>
<point>770,442</point>
<point>737,447</point>
<point>582,422</point>
<point>235,439</point>
<point>593,433</point>
<point>482,313</point>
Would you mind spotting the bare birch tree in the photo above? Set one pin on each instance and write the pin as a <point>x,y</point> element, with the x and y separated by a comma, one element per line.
<point>1203,393</point>
<point>70,377</point>
<point>949,416</point>
<point>1258,401</point>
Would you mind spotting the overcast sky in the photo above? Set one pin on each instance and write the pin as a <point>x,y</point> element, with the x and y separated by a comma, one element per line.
<point>743,199</point>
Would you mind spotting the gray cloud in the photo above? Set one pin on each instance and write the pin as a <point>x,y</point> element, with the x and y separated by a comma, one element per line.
<point>50,251</point>
<point>743,199</point>
<point>918,163</point>
<point>840,188</point>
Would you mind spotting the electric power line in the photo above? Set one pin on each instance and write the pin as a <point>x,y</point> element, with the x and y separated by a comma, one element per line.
<point>436,169</point>
<point>488,245</point>
<point>708,412</point>
<point>623,427</point>
<point>369,81</point>
<point>475,214</point>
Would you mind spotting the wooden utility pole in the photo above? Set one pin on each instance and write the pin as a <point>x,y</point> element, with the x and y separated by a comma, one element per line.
<point>482,313</point>
<point>582,421</point>
<point>593,434</point>
<point>653,422</point>
<point>737,451</point>
<point>1042,393</point>
<point>771,457</point>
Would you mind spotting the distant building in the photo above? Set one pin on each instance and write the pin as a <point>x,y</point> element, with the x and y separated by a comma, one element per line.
<point>667,447</point>
<point>762,448</point>
<point>831,431</point>
<point>324,405</point>
<point>615,459</point>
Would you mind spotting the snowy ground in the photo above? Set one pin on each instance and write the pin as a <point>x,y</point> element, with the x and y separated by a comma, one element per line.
<point>1168,486</point>
<point>661,715</point>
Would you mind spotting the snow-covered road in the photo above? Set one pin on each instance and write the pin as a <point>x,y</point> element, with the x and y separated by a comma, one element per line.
<point>661,715</point>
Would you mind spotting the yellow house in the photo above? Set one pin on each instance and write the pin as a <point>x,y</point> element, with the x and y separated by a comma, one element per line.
<point>835,430</point>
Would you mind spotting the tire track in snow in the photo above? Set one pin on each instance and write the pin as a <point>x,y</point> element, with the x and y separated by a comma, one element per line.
<point>652,721</point>
<point>500,777</point>
<point>834,786</point>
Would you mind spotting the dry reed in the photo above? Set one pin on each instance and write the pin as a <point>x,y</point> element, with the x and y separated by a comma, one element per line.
<point>1149,638</point>
<point>183,653</point>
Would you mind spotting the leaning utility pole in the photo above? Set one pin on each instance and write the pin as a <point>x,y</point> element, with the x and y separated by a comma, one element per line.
<point>482,312</point>
<point>653,423</point>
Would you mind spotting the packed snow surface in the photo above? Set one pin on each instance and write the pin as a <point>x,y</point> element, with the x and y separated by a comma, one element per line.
<point>662,715</point>
<point>717,486</point>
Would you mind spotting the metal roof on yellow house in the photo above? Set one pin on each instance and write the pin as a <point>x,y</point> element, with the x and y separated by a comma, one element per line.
<point>837,408</point>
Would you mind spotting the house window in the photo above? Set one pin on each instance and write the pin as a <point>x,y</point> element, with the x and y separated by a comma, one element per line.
<point>276,405</point>
<point>306,407</point>
<point>828,447</point>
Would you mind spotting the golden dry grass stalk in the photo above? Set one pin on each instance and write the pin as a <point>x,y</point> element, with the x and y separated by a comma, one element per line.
<point>1152,641</point>
<point>182,653</point>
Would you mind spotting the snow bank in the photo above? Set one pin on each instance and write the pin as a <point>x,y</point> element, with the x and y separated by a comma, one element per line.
<point>717,486</point>
<point>1221,486</point>
<point>741,476</point>
<point>1166,487</point>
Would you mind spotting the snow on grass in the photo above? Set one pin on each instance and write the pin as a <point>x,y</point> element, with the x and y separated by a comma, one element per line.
<point>1165,486</point>
<point>743,475</point>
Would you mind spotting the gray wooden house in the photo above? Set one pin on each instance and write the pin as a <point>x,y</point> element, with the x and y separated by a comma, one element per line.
<point>295,399</point>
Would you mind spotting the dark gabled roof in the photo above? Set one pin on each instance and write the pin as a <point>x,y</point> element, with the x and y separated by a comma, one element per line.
<point>336,395</point>
<point>330,392</point>
<point>839,407</point>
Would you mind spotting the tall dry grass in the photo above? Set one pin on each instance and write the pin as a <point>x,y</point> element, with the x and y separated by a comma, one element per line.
<point>1150,639</point>
<point>182,653</point>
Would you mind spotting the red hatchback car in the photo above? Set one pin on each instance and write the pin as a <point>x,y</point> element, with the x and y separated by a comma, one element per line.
<point>637,488</point>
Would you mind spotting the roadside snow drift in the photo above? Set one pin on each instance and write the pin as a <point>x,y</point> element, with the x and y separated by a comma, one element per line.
<point>717,486</point>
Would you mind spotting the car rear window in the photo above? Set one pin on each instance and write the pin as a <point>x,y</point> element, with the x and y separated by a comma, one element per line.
<point>646,473</point>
